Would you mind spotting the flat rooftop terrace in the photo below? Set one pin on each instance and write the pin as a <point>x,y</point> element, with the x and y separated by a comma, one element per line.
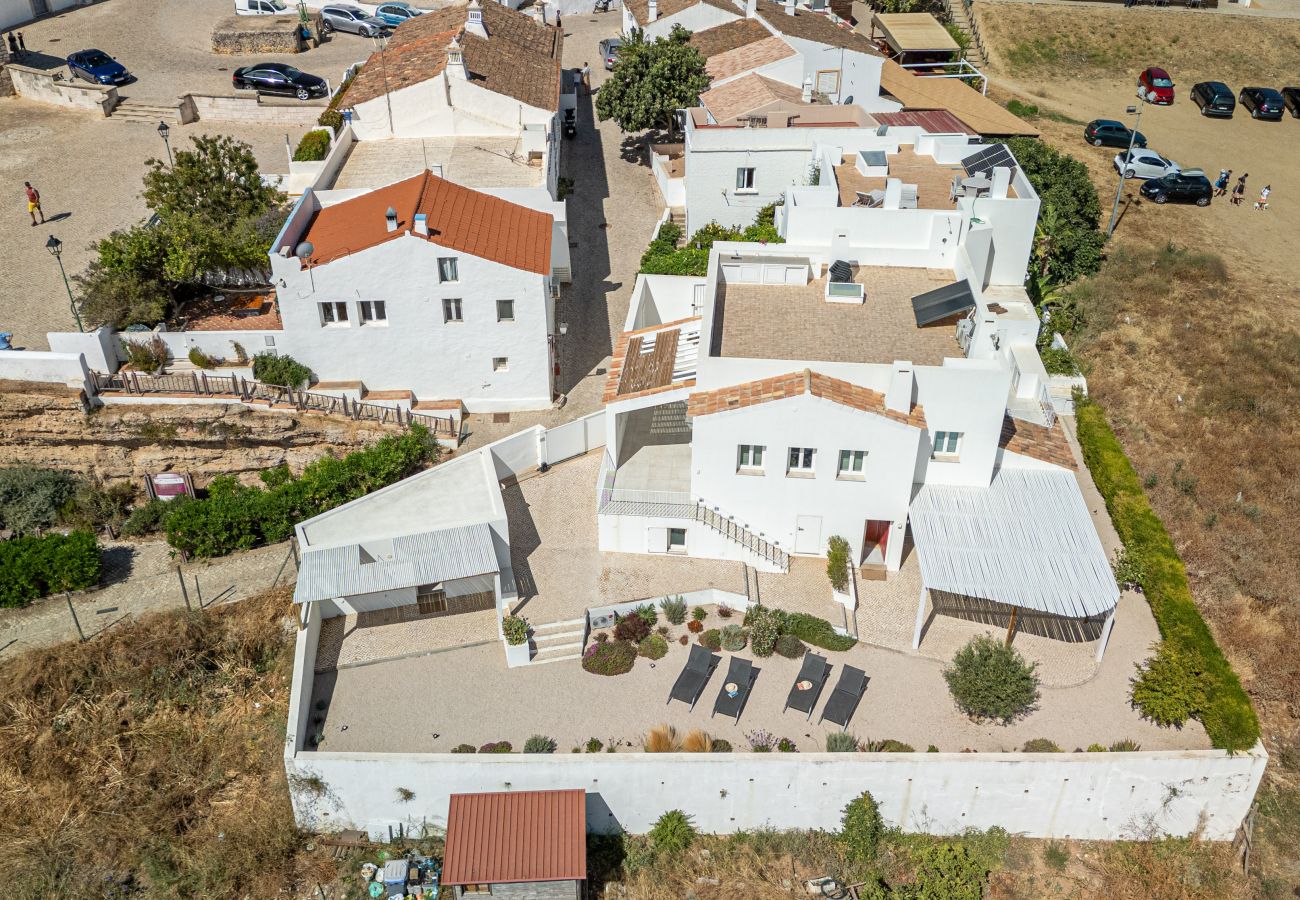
<point>933,180</point>
<point>475,162</point>
<point>783,321</point>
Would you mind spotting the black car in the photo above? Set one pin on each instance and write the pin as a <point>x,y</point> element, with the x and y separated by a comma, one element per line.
<point>1214,98</point>
<point>1263,103</point>
<point>1187,186</point>
<point>278,78</point>
<point>1291,100</point>
<point>1109,133</point>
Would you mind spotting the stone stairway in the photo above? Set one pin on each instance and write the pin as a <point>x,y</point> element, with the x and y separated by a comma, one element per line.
<point>558,641</point>
<point>677,215</point>
<point>150,114</point>
<point>962,18</point>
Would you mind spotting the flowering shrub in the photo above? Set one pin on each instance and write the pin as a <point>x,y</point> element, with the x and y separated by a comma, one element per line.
<point>694,626</point>
<point>496,747</point>
<point>711,639</point>
<point>760,741</point>
<point>609,658</point>
<point>631,628</point>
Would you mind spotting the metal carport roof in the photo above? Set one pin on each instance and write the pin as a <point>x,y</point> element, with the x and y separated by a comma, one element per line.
<point>940,303</point>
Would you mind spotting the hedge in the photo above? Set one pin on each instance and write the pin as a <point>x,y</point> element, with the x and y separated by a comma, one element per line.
<point>331,117</point>
<point>663,257</point>
<point>314,146</point>
<point>818,632</point>
<point>36,566</point>
<point>1228,716</point>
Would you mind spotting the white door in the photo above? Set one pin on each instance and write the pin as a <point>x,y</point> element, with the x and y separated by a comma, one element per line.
<point>773,274</point>
<point>808,534</point>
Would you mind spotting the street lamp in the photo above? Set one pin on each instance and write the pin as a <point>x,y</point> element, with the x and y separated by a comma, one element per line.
<point>55,246</point>
<point>1132,138</point>
<point>163,132</point>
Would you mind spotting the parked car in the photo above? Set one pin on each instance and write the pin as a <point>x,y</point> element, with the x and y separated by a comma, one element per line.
<point>1214,98</point>
<point>1187,186</point>
<point>1109,133</point>
<point>396,12</point>
<point>97,67</point>
<point>1155,86</point>
<point>1144,164</point>
<point>341,17</point>
<point>1291,100</point>
<point>279,78</point>
<point>1263,103</point>
<point>609,51</point>
<point>261,8</point>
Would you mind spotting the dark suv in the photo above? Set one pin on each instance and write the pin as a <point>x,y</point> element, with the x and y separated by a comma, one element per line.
<point>1214,98</point>
<point>1291,100</point>
<point>1263,103</point>
<point>1109,133</point>
<point>1187,186</point>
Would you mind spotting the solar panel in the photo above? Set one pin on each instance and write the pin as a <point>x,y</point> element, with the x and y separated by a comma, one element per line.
<point>841,272</point>
<point>942,303</point>
<point>988,159</point>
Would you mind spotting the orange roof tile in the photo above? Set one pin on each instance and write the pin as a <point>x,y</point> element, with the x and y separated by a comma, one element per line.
<point>459,218</point>
<point>783,387</point>
<point>1037,442</point>
<point>516,836</point>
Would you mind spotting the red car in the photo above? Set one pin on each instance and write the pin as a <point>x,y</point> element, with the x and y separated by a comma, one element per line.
<point>1155,86</point>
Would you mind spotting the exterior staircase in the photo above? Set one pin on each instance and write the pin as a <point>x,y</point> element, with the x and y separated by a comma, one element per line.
<point>558,641</point>
<point>961,14</point>
<point>150,114</point>
<point>677,215</point>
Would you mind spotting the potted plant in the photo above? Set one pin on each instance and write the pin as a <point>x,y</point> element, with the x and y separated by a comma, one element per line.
<point>837,570</point>
<point>514,631</point>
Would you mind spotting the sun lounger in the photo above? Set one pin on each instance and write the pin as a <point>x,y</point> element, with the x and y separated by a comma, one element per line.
<point>741,673</point>
<point>844,700</point>
<point>814,670</point>
<point>690,683</point>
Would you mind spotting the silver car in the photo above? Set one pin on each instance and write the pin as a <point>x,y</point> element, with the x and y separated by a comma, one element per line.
<point>340,17</point>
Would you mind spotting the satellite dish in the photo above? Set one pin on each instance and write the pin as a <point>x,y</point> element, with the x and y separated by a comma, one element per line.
<point>304,250</point>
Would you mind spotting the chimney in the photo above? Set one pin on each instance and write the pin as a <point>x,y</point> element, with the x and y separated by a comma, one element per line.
<point>898,398</point>
<point>456,61</point>
<point>474,20</point>
<point>391,218</point>
<point>539,13</point>
<point>751,8</point>
<point>806,96</point>
<point>653,14</point>
<point>789,7</point>
<point>422,224</point>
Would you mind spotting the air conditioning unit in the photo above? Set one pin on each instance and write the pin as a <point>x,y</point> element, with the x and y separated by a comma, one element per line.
<point>965,330</point>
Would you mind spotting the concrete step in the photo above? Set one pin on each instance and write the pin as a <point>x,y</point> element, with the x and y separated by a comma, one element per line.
<point>567,636</point>
<point>554,659</point>
<point>131,111</point>
<point>561,625</point>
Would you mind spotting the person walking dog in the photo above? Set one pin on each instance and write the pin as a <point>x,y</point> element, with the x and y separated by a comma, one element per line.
<point>34,203</point>
<point>1239,190</point>
<point>1262,202</point>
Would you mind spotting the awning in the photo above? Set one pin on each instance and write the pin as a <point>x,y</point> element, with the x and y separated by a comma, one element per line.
<point>1026,540</point>
<point>969,105</point>
<point>942,303</point>
<point>914,33</point>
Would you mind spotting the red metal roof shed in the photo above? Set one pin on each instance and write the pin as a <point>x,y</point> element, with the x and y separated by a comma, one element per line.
<point>935,121</point>
<point>516,836</point>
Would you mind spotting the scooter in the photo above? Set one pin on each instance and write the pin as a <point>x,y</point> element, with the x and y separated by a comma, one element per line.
<point>570,123</point>
<point>604,5</point>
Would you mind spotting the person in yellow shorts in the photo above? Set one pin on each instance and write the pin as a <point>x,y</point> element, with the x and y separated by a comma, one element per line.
<point>34,203</point>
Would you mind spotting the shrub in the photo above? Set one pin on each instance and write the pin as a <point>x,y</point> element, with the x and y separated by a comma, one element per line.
<point>661,739</point>
<point>1056,855</point>
<point>721,746</point>
<point>516,630</point>
<point>733,638</point>
<point>931,749</point>
<point>1168,688</point>
<point>34,566</point>
<point>673,833</point>
<point>648,614</point>
<point>631,628</point>
<point>1125,745</point>
<point>202,360</point>
<point>1096,748</point>
<point>30,497</point>
<point>760,741</point>
<point>684,640</point>
<point>785,745</point>
<point>594,745</point>
<point>464,748</point>
<point>147,518</point>
<point>818,632</point>
<point>1227,714</point>
<point>694,626</point>
<point>314,146</point>
<point>331,117</point>
<point>1040,745</point>
<point>653,647</point>
<point>698,614</point>
<point>612,658</point>
<point>282,370</point>
<point>697,741</point>
<point>861,830</point>
<point>711,640</point>
<point>837,563</point>
<point>886,745</point>
<point>539,743</point>
<point>841,742</point>
<point>790,647</point>
<point>674,610</point>
<point>948,870</point>
<point>600,637</point>
<point>725,611</point>
<point>1058,361</point>
<point>241,355</point>
<point>147,355</point>
<point>1128,571</point>
<point>1068,244</point>
<point>763,630</point>
<point>664,631</point>
<point>989,680</point>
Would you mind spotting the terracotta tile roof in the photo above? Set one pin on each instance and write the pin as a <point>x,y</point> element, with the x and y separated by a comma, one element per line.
<point>519,58</point>
<point>814,27</point>
<point>935,121</point>
<point>966,103</point>
<point>459,219</point>
<point>648,373</point>
<point>1037,442</point>
<point>722,38</point>
<point>734,99</point>
<point>516,836</point>
<point>783,387</point>
<point>749,57</point>
<point>640,9</point>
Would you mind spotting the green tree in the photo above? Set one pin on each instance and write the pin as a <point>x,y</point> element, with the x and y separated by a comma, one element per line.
<point>1067,241</point>
<point>218,182</point>
<point>861,830</point>
<point>652,80</point>
<point>989,680</point>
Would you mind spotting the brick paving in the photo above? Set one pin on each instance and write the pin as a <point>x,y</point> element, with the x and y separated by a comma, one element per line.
<point>933,180</point>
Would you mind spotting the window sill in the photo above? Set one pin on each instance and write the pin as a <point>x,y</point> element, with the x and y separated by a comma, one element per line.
<point>744,191</point>
<point>853,476</point>
<point>677,551</point>
<point>751,471</point>
<point>945,458</point>
<point>797,474</point>
<point>335,325</point>
<point>374,324</point>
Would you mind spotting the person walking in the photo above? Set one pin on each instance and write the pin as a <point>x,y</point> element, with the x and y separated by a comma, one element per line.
<point>1262,202</point>
<point>22,45</point>
<point>13,46</point>
<point>1221,185</point>
<point>586,78</point>
<point>1239,190</point>
<point>34,203</point>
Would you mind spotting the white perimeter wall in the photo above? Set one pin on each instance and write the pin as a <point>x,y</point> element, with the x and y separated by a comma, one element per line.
<point>444,106</point>
<point>68,369</point>
<point>1097,796</point>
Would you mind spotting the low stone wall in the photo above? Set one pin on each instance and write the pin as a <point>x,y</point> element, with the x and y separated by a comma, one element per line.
<point>260,34</point>
<point>50,86</point>
<point>249,108</point>
<point>46,367</point>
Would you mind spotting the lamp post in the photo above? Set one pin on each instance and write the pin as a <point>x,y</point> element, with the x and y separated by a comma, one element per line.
<point>163,132</point>
<point>55,246</point>
<point>1119,191</point>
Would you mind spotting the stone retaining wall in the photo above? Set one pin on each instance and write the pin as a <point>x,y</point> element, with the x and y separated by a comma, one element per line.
<point>249,108</point>
<point>260,34</point>
<point>52,87</point>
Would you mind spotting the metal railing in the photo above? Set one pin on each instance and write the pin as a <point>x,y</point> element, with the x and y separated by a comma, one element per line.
<point>203,385</point>
<point>729,528</point>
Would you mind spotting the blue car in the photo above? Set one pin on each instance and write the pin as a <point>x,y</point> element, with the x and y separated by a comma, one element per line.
<point>97,67</point>
<point>396,12</point>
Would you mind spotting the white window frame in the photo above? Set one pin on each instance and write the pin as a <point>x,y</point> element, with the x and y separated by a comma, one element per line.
<point>947,445</point>
<point>675,547</point>
<point>801,462</point>
<point>749,458</point>
<point>445,263</point>
<point>500,364</point>
<point>450,305</point>
<point>372,312</point>
<point>852,465</point>
<point>333,314</point>
<point>509,318</point>
<point>745,177</point>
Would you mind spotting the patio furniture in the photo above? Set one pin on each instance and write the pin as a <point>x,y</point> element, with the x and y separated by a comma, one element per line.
<point>699,669</point>
<point>976,184</point>
<point>870,199</point>
<point>956,190</point>
<point>909,197</point>
<point>740,673</point>
<point>813,673</point>
<point>844,700</point>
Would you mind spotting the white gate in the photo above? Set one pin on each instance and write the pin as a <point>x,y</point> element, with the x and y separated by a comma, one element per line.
<point>573,438</point>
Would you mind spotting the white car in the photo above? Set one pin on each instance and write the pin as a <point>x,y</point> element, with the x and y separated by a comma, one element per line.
<point>1142,163</point>
<point>261,8</point>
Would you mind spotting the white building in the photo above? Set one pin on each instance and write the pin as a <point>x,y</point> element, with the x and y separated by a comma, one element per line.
<point>423,290</point>
<point>656,18</point>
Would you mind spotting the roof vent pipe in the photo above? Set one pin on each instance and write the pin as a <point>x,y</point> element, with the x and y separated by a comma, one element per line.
<point>789,7</point>
<point>391,218</point>
<point>751,8</point>
<point>653,13</point>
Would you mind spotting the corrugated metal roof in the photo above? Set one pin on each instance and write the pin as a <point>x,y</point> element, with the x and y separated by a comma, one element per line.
<point>934,121</point>
<point>1027,539</point>
<point>425,558</point>
<point>516,836</point>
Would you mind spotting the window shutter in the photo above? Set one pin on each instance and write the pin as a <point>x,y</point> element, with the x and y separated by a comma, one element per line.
<point>656,540</point>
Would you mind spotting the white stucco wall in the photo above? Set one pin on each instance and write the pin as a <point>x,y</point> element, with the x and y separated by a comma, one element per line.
<point>53,86</point>
<point>859,72</point>
<point>968,396</point>
<point>699,17</point>
<point>443,106</point>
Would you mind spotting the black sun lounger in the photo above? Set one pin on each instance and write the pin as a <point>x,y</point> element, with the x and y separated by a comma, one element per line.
<point>699,668</point>
<point>816,670</point>
<point>741,673</point>
<point>844,700</point>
